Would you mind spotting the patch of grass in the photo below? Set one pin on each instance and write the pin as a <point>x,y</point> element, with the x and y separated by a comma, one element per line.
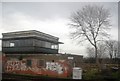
<point>116,75</point>
<point>91,74</point>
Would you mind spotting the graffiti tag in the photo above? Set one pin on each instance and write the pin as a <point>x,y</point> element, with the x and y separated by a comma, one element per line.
<point>54,66</point>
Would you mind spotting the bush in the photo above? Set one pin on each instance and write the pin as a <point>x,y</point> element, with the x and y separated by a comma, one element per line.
<point>91,74</point>
<point>116,75</point>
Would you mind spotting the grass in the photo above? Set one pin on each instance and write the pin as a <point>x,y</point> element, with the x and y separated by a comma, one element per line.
<point>92,73</point>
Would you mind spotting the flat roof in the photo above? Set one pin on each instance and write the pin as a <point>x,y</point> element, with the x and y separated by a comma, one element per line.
<point>30,34</point>
<point>27,33</point>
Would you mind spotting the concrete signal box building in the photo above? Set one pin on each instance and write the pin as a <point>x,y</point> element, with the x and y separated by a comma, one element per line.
<point>29,42</point>
<point>36,53</point>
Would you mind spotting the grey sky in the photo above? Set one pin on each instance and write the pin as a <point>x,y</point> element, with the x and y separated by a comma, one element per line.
<point>59,0</point>
<point>51,18</point>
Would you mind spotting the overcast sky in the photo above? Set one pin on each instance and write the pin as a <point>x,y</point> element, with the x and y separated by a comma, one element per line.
<point>51,18</point>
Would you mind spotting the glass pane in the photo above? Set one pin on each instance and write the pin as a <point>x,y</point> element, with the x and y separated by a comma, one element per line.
<point>12,44</point>
<point>54,46</point>
<point>6,44</point>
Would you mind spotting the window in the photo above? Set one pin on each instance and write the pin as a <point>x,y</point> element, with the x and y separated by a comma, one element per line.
<point>54,46</point>
<point>42,44</point>
<point>71,58</point>
<point>6,44</point>
<point>41,63</point>
<point>12,44</point>
<point>47,45</point>
<point>29,63</point>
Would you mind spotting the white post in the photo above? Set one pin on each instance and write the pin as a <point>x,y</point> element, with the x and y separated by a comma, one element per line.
<point>77,73</point>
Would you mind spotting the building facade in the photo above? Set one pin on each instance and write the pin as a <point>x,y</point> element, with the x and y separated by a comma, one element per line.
<point>29,42</point>
<point>36,53</point>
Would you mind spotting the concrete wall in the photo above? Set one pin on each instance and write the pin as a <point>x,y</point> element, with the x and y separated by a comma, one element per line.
<point>43,64</point>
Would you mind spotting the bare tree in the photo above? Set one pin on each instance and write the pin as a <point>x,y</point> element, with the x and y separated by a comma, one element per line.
<point>112,47</point>
<point>90,52</point>
<point>101,48</point>
<point>102,52</point>
<point>90,23</point>
<point>118,55</point>
<point>116,49</point>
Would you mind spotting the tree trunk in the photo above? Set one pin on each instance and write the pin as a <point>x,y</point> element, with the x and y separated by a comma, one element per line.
<point>111,57</point>
<point>115,56</point>
<point>96,55</point>
<point>97,59</point>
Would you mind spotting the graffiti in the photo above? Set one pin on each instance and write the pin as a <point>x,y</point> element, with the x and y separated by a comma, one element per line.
<point>20,66</point>
<point>15,65</point>
<point>51,68</point>
<point>54,66</point>
<point>23,67</point>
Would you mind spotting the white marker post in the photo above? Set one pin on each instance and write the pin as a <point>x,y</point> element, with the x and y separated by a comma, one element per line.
<point>77,73</point>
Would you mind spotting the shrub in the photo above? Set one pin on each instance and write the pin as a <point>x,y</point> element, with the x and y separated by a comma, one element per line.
<point>91,74</point>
